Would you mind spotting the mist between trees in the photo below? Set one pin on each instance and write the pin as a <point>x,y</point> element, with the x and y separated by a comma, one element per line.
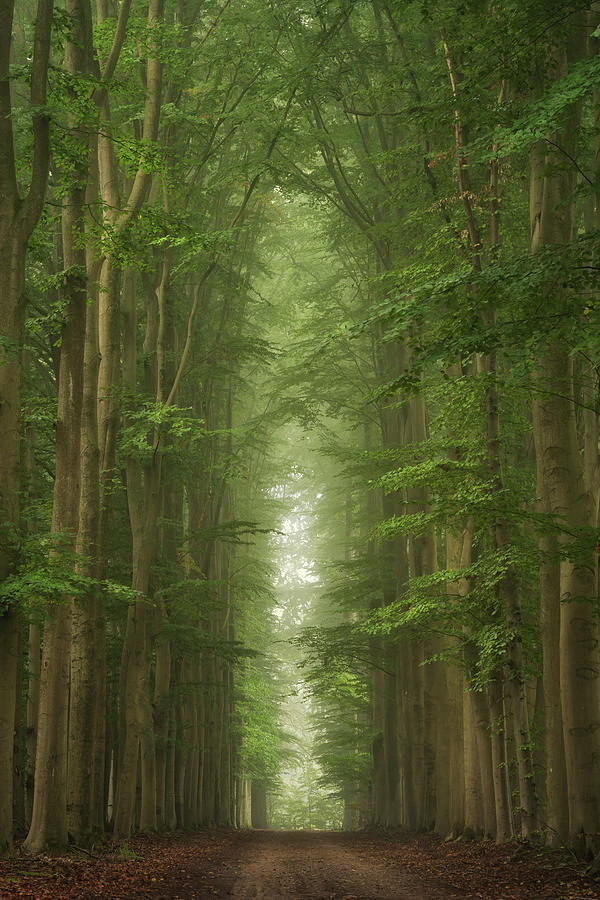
<point>262,262</point>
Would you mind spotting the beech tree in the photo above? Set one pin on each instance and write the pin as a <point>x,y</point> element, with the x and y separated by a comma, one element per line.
<point>20,211</point>
<point>465,235</point>
<point>335,262</point>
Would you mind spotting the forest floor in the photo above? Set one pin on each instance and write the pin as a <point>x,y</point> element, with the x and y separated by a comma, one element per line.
<point>308,865</point>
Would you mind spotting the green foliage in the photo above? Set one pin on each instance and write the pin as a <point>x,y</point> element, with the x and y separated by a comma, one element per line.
<point>148,422</point>
<point>331,298</point>
<point>125,852</point>
<point>258,712</point>
<point>305,804</point>
<point>546,115</point>
<point>46,575</point>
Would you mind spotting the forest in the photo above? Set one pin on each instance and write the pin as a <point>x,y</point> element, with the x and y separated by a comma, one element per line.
<point>299,418</point>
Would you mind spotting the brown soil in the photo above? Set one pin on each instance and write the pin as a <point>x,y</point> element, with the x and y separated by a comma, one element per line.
<point>243,865</point>
<point>316,866</point>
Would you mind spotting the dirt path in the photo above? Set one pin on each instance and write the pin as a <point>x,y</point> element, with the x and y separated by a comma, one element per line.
<point>244,865</point>
<point>314,866</point>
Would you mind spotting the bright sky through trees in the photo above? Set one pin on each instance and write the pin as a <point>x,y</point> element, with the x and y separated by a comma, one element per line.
<point>303,799</point>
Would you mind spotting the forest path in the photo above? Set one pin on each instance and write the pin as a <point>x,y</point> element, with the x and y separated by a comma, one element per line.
<point>278,865</point>
<point>316,866</point>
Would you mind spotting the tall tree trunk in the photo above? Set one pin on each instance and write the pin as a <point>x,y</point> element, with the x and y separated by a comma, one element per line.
<point>495,690</point>
<point>49,818</point>
<point>87,684</point>
<point>473,819</point>
<point>20,822</point>
<point>465,808</point>
<point>33,705</point>
<point>481,724</point>
<point>9,643</point>
<point>259,806</point>
<point>18,217</point>
<point>507,593</point>
<point>162,684</point>
<point>560,473</point>
<point>135,711</point>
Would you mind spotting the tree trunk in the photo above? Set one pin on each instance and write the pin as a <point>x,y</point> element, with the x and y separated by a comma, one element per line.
<point>170,788</point>
<point>465,807</point>
<point>560,473</point>
<point>18,218</point>
<point>473,820</point>
<point>87,695</point>
<point>499,762</point>
<point>507,592</point>
<point>12,263</point>
<point>33,705</point>
<point>20,823</point>
<point>162,684</point>
<point>259,806</point>
<point>481,723</point>
<point>49,817</point>
<point>9,643</point>
<point>557,809</point>
<point>134,700</point>
<point>455,761</point>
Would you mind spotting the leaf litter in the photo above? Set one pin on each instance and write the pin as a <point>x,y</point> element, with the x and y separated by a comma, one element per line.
<point>211,863</point>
